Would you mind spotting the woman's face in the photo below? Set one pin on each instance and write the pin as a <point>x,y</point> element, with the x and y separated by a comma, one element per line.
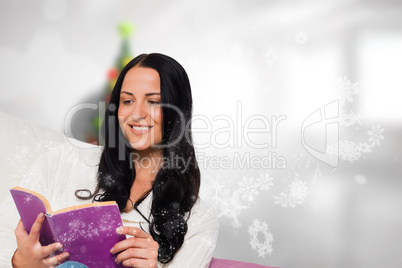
<point>140,112</point>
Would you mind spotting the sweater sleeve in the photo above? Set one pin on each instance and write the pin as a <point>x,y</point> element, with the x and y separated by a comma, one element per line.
<point>199,242</point>
<point>37,180</point>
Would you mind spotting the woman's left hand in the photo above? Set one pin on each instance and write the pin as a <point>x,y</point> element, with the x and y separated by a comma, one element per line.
<point>138,251</point>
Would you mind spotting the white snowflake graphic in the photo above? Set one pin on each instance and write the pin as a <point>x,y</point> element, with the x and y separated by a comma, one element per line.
<point>248,189</point>
<point>344,149</point>
<point>346,89</point>
<point>28,199</point>
<point>285,200</point>
<point>350,119</point>
<point>364,147</point>
<point>109,181</point>
<point>91,233</point>
<point>262,247</point>
<point>231,207</point>
<point>348,150</point>
<point>75,225</point>
<point>83,249</point>
<point>301,38</point>
<point>332,149</point>
<point>265,181</point>
<point>298,191</point>
<point>216,186</point>
<point>375,135</point>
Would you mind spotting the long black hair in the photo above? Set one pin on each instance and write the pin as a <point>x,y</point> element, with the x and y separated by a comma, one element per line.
<point>175,188</point>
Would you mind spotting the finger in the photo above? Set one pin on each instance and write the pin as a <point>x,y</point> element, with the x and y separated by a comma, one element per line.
<point>56,260</point>
<point>138,253</point>
<point>134,231</point>
<point>20,231</point>
<point>139,263</point>
<point>50,249</point>
<point>35,230</point>
<point>131,242</point>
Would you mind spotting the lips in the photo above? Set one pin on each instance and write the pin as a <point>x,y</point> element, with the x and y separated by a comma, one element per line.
<point>140,130</point>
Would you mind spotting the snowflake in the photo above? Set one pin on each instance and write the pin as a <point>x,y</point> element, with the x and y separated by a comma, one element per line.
<point>298,190</point>
<point>375,135</point>
<point>248,189</point>
<point>106,217</point>
<point>262,247</point>
<point>350,119</point>
<point>357,117</point>
<point>265,181</point>
<point>347,90</point>
<point>285,200</point>
<point>301,38</point>
<point>332,149</point>
<point>83,249</point>
<point>231,207</point>
<point>108,180</point>
<point>75,225</point>
<point>364,147</point>
<point>216,186</point>
<point>28,199</point>
<point>348,150</point>
<point>90,234</point>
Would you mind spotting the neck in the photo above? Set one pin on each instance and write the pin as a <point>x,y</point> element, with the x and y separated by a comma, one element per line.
<point>147,164</point>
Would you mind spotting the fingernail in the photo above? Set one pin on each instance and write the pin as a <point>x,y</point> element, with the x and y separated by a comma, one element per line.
<point>41,215</point>
<point>119,230</point>
<point>59,246</point>
<point>112,250</point>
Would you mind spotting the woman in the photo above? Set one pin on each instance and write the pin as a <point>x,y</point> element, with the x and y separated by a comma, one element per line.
<point>147,166</point>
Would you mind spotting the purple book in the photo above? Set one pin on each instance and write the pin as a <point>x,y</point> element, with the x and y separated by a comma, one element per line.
<point>87,232</point>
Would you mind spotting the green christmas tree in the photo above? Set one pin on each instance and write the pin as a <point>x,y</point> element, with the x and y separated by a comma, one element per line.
<point>125,29</point>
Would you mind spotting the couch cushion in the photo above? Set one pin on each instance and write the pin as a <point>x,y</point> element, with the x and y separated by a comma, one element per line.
<point>222,263</point>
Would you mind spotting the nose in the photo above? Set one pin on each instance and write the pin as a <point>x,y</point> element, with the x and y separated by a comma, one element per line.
<point>139,111</point>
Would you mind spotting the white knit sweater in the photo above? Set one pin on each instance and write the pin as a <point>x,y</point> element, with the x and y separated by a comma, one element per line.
<point>68,167</point>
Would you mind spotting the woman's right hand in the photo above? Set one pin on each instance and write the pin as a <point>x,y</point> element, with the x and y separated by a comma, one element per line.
<point>30,252</point>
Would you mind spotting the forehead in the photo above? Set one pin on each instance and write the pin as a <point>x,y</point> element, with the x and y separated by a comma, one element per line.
<point>140,79</point>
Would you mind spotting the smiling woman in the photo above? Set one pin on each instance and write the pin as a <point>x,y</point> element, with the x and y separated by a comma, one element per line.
<point>140,114</point>
<point>165,222</point>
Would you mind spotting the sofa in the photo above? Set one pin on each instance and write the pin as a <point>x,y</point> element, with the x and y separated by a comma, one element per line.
<point>22,142</point>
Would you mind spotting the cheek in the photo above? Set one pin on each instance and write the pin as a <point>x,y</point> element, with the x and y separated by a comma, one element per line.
<point>157,116</point>
<point>121,113</point>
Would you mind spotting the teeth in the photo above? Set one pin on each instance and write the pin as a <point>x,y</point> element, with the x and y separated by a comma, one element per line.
<point>139,128</point>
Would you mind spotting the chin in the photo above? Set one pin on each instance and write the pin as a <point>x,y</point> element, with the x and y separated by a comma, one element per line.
<point>140,147</point>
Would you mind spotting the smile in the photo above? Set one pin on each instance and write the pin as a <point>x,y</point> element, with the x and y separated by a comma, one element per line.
<point>140,130</point>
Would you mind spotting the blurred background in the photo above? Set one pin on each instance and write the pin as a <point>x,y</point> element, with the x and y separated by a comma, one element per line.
<point>297,115</point>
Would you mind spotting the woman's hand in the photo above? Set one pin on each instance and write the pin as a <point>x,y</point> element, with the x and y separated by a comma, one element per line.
<point>30,252</point>
<point>138,251</point>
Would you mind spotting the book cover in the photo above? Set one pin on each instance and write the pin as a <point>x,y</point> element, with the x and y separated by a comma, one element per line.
<point>87,232</point>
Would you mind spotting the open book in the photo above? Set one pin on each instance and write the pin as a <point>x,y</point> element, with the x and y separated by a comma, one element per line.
<point>87,232</point>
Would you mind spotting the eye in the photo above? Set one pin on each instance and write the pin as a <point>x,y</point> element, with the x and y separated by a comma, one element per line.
<point>127,101</point>
<point>153,102</point>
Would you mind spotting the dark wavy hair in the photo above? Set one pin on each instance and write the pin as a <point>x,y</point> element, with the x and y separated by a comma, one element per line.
<point>175,188</point>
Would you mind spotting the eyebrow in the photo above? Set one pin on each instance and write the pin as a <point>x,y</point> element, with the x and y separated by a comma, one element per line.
<point>147,94</point>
